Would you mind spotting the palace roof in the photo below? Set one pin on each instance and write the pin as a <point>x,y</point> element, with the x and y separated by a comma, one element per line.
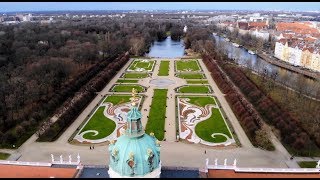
<point>229,173</point>
<point>20,171</point>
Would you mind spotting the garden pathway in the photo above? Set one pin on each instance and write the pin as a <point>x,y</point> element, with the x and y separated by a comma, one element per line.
<point>172,154</point>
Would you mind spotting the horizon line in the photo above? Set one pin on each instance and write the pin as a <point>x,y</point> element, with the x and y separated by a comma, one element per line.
<point>158,10</point>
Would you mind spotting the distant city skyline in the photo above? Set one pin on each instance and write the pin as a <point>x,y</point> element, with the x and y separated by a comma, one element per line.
<point>74,6</point>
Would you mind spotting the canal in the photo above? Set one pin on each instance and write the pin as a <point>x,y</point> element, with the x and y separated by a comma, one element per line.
<point>291,79</point>
<point>167,48</point>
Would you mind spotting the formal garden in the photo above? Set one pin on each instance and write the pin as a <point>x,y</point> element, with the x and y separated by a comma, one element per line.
<point>141,65</point>
<point>197,81</point>
<point>107,121</point>
<point>187,65</point>
<point>204,89</point>
<point>127,81</point>
<point>164,68</point>
<point>200,118</point>
<point>100,123</point>
<point>127,88</point>
<point>157,115</point>
<point>201,121</point>
<point>135,75</point>
<point>191,75</point>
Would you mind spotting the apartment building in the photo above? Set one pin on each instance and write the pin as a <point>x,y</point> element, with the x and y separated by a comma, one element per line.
<point>298,53</point>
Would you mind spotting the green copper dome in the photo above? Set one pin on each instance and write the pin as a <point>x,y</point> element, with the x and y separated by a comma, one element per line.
<point>134,156</point>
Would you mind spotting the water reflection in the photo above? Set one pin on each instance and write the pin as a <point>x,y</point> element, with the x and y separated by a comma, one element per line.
<point>167,49</point>
<point>284,76</point>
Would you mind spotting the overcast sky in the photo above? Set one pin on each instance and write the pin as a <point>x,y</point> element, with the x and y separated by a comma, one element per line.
<point>49,6</point>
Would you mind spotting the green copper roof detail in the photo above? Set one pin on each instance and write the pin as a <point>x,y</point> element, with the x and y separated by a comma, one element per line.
<point>134,127</point>
<point>134,156</point>
<point>134,114</point>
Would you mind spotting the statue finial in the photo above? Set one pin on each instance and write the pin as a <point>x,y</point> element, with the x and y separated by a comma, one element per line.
<point>112,141</point>
<point>133,104</point>
<point>134,92</point>
<point>131,155</point>
<point>115,152</point>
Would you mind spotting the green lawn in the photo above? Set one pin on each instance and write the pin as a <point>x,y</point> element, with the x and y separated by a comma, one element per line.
<point>197,82</point>
<point>187,65</point>
<point>100,123</point>
<point>310,150</point>
<point>164,68</point>
<point>194,89</point>
<point>191,76</point>
<point>156,121</point>
<point>307,164</point>
<point>127,81</point>
<point>4,156</point>
<point>139,64</point>
<point>135,75</point>
<point>117,99</point>
<point>200,100</point>
<point>215,124</point>
<point>126,88</point>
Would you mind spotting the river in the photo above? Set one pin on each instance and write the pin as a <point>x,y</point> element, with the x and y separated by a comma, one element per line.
<point>167,48</point>
<point>291,79</point>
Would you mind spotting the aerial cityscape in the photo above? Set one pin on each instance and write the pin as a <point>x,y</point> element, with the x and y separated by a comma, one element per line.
<point>159,89</point>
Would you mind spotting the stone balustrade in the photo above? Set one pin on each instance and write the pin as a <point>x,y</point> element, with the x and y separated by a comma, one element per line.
<point>273,170</point>
<point>24,163</point>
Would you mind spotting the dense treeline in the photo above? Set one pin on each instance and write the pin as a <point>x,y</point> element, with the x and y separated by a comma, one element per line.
<point>176,32</point>
<point>290,129</point>
<point>304,109</point>
<point>43,65</point>
<point>246,40</point>
<point>199,39</point>
<point>246,115</point>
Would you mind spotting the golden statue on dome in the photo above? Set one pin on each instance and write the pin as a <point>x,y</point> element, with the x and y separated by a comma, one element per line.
<point>133,99</point>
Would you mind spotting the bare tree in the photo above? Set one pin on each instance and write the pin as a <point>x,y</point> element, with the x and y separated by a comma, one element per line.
<point>137,43</point>
<point>262,138</point>
<point>43,127</point>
